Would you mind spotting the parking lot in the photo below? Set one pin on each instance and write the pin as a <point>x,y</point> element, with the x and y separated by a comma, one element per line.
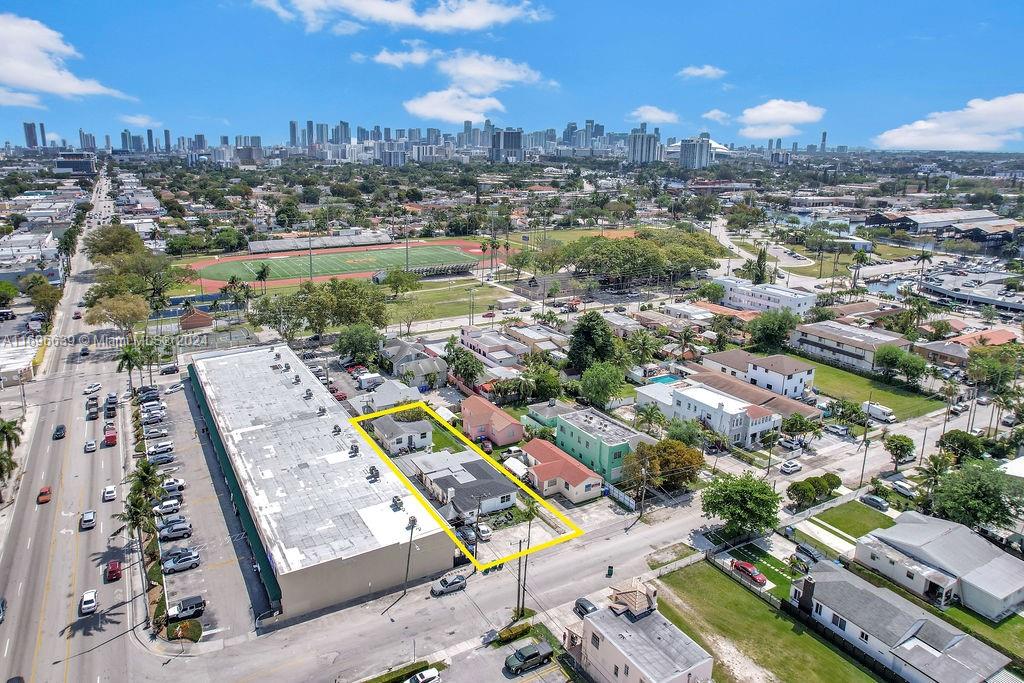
<point>225,578</point>
<point>488,664</point>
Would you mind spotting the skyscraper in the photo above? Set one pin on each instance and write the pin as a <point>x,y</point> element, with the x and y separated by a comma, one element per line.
<point>794,148</point>
<point>507,146</point>
<point>149,140</point>
<point>769,146</point>
<point>42,134</point>
<point>695,152</point>
<point>387,134</point>
<point>293,133</point>
<point>778,143</point>
<point>200,144</point>
<point>433,136</point>
<point>642,148</point>
<point>167,140</point>
<point>467,130</point>
<point>321,133</point>
<point>106,142</point>
<point>824,137</point>
<point>309,133</point>
<point>345,136</point>
<point>568,133</point>
<point>126,140</point>
<point>31,141</point>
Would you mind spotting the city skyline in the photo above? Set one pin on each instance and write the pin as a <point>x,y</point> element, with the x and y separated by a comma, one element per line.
<point>434,66</point>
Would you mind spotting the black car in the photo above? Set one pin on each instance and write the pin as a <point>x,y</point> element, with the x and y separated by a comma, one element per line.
<point>583,607</point>
<point>169,370</point>
<point>808,550</point>
<point>60,432</point>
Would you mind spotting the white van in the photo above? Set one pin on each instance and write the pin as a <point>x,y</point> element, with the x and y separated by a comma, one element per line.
<point>878,411</point>
<point>370,380</point>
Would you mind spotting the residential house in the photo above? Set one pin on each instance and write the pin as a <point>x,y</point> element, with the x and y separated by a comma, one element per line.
<point>845,345</point>
<point>781,374</point>
<point>956,327</point>
<point>745,295</point>
<point>630,641</point>
<point>750,393</point>
<point>553,471</point>
<point>598,441</point>
<point>941,560</point>
<point>464,483</point>
<point>740,422</point>
<point>622,325</point>
<point>493,348</point>
<point>912,643</point>
<point>738,316</point>
<point>396,437</point>
<point>410,361</point>
<point>481,419</point>
<point>653,320</point>
<point>388,394</point>
<point>955,352</point>
<point>541,339</point>
<point>545,412</point>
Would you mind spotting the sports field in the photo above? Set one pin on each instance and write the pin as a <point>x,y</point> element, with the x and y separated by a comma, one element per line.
<point>335,263</point>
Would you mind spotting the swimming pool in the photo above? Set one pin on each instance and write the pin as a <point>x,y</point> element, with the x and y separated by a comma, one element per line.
<point>665,379</point>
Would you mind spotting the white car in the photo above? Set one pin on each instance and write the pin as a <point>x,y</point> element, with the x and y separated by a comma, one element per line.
<point>838,430</point>
<point>155,432</point>
<point>789,444</point>
<point>90,445</point>
<point>173,484</point>
<point>109,493</point>
<point>167,507</point>
<point>984,400</point>
<point>89,602</point>
<point>790,466</point>
<point>483,532</point>
<point>176,387</point>
<point>92,388</point>
<point>904,488</point>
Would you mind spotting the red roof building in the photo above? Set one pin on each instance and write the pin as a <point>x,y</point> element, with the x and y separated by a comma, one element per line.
<point>552,470</point>
<point>481,419</point>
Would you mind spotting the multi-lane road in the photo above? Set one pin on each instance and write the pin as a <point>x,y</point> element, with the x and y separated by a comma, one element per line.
<point>46,562</point>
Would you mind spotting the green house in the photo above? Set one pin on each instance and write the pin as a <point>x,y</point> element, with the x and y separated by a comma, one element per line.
<point>597,441</point>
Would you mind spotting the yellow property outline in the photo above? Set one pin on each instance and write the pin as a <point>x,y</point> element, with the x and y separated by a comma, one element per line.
<point>575,530</point>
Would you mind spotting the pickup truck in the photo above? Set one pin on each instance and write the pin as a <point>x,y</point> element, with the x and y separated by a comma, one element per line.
<point>110,436</point>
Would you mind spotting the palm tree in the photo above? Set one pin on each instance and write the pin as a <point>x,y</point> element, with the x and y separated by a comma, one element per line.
<point>7,468</point>
<point>860,259</point>
<point>687,338</point>
<point>920,307</point>
<point>642,345</point>
<point>262,274</point>
<point>137,516</point>
<point>129,358</point>
<point>1006,401</point>
<point>647,417</point>
<point>150,356</point>
<point>10,434</point>
<point>932,471</point>
<point>922,259</point>
<point>145,480</point>
<point>213,310</point>
<point>949,392</point>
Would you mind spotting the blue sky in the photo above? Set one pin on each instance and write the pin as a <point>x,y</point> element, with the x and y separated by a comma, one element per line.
<point>920,75</point>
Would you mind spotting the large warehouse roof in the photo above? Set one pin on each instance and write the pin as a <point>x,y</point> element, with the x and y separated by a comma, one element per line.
<point>310,494</point>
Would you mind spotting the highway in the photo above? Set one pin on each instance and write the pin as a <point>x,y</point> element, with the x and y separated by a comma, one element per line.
<point>46,562</point>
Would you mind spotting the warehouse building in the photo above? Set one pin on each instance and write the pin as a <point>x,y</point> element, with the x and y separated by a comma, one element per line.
<point>328,522</point>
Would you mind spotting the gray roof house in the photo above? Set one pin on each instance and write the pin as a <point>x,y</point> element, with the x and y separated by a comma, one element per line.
<point>939,560</point>
<point>388,394</point>
<point>909,641</point>
<point>395,436</point>
<point>412,357</point>
<point>466,481</point>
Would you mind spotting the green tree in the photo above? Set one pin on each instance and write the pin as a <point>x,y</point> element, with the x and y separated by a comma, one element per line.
<point>961,445</point>
<point>900,447</point>
<point>647,417</point>
<point>746,504</point>
<point>642,347</point>
<point>688,432</point>
<point>520,261</point>
<point>360,341</point>
<point>591,341</point>
<point>7,293</point>
<point>129,359</point>
<point>122,311</point>
<point>263,274</point>
<point>45,299</point>
<point>26,283</point>
<point>832,482</point>
<point>888,359</point>
<point>710,291</point>
<point>802,493</point>
<point>600,382</point>
<point>401,281</point>
<point>112,239</point>
<point>771,329</point>
<point>283,313</point>
<point>979,493</point>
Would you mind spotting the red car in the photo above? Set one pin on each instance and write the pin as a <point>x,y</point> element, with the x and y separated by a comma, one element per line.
<point>354,369</point>
<point>485,445</point>
<point>45,494</point>
<point>750,571</point>
<point>340,395</point>
<point>77,315</point>
<point>489,314</point>
<point>112,572</point>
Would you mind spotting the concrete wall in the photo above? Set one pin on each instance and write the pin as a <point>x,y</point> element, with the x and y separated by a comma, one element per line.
<point>600,663</point>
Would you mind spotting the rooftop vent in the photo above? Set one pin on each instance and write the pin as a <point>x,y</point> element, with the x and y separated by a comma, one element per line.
<point>287,367</point>
<point>353,449</point>
<point>277,356</point>
<point>396,501</point>
<point>374,472</point>
<point>322,410</point>
<point>308,394</point>
<point>337,429</point>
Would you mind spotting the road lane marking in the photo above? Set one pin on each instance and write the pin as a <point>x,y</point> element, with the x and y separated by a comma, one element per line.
<point>29,543</point>
<point>7,646</point>
<point>20,584</point>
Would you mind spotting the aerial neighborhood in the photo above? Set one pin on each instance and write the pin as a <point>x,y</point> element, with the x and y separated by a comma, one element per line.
<point>670,395</point>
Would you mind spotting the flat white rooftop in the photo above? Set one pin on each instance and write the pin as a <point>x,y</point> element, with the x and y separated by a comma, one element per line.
<point>712,398</point>
<point>310,495</point>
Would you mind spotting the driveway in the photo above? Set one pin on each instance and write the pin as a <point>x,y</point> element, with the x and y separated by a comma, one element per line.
<point>488,664</point>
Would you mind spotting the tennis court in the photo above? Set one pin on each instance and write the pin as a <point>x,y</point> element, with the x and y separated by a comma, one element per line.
<point>337,263</point>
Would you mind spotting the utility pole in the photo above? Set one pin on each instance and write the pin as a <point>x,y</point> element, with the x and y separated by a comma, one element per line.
<point>408,557</point>
<point>309,236</point>
<point>519,579</point>
<point>472,305</point>
<point>526,561</point>
<point>924,440</point>
<point>865,442</point>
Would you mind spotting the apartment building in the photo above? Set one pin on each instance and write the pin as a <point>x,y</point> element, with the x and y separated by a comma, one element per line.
<point>743,294</point>
<point>597,441</point>
<point>781,374</point>
<point>493,348</point>
<point>846,345</point>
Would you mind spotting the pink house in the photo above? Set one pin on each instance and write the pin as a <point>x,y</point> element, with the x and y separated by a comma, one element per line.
<point>481,418</point>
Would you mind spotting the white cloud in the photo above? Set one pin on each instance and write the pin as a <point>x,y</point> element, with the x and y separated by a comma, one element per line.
<point>346,28</point>
<point>481,74</point>
<point>357,57</point>
<point>716,115</point>
<point>275,7</point>
<point>418,54</point>
<point>54,137</point>
<point>453,105</point>
<point>778,118</point>
<point>9,98</point>
<point>707,71</point>
<point>32,57</point>
<point>650,114</point>
<point>443,16</point>
<point>983,125</point>
<point>140,120</point>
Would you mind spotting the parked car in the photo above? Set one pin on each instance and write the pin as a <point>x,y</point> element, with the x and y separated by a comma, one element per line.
<point>169,370</point>
<point>160,447</point>
<point>448,584</point>
<point>583,607</point>
<point>169,521</point>
<point>176,531</point>
<point>174,388</point>
<point>173,484</point>
<point>44,495</point>
<point>84,351</point>
<point>984,400</point>
<point>788,443</point>
<point>467,534</point>
<point>876,502</point>
<point>529,657</point>
<point>155,432</point>
<point>1008,420</point>
<point>89,602</point>
<point>177,563</point>
<point>958,408</point>
<point>90,446</point>
<point>112,572</point>
<point>109,493</point>
<point>151,406</point>
<point>790,466</point>
<point>749,571</point>
<point>186,608</point>
<point>489,314</point>
<point>904,488</point>
<point>92,388</point>
<point>87,520</point>
<point>485,444</point>
<point>838,430</point>
<point>483,532</point>
<point>153,418</point>
<point>167,506</point>
<point>59,432</point>
<point>162,459</point>
<point>808,550</point>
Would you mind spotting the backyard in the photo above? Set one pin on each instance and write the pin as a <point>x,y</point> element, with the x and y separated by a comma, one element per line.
<point>711,608</point>
<point>839,383</point>
<point>855,518</point>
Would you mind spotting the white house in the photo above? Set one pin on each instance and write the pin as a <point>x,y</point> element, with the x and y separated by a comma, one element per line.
<point>464,483</point>
<point>942,560</point>
<point>395,436</point>
<point>745,295</point>
<point>909,641</point>
<point>493,348</point>
<point>631,642</point>
<point>784,375</point>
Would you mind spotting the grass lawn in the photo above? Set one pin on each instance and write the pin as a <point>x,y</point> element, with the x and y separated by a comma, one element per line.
<point>448,300</point>
<point>839,383</point>
<point>668,555</point>
<point>883,251</point>
<point>564,236</point>
<point>774,569</point>
<point>715,604</point>
<point>855,518</point>
<point>443,439</point>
